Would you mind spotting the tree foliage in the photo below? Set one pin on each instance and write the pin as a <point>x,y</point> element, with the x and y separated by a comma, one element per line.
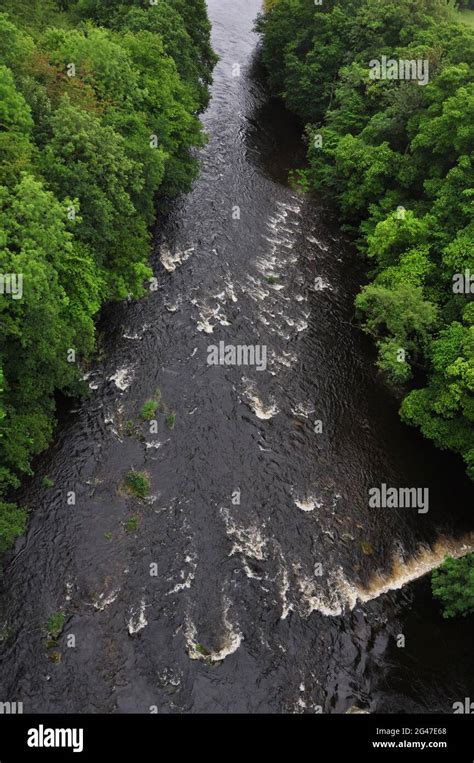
<point>397,159</point>
<point>453,585</point>
<point>99,116</point>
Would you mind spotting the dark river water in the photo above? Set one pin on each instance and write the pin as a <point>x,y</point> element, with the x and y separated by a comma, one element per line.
<point>258,579</point>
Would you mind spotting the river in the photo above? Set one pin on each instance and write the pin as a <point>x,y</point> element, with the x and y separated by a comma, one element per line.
<point>258,580</point>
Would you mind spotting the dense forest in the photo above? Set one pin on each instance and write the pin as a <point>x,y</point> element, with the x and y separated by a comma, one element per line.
<point>396,157</point>
<point>99,114</point>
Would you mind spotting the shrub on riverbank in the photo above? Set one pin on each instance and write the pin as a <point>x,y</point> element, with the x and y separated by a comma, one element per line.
<point>12,524</point>
<point>99,106</point>
<point>453,585</point>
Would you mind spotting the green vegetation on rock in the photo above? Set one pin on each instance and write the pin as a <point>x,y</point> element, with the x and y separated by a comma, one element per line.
<point>148,410</point>
<point>55,625</point>
<point>137,484</point>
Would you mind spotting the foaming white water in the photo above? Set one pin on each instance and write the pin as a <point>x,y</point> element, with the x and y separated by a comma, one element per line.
<point>105,600</point>
<point>261,410</point>
<point>229,642</point>
<point>138,334</point>
<point>276,221</point>
<point>92,384</point>
<point>122,378</point>
<point>187,577</point>
<point>255,290</point>
<point>308,504</point>
<point>287,359</point>
<point>232,637</point>
<point>267,265</point>
<point>341,595</point>
<point>321,284</point>
<point>153,444</point>
<point>425,561</point>
<point>284,586</point>
<point>314,598</point>
<point>228,293</point>
<point>206,314</point>
<point>278,242</point>
<point>248,541</point>
<point>293,208</point>
<point>250,573</point>
<point>301,325</point>
<point>171,261</point>
<point>137,620</point>
<point>205,325</point>
<point>305,410</point>
<point>313,240</point>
